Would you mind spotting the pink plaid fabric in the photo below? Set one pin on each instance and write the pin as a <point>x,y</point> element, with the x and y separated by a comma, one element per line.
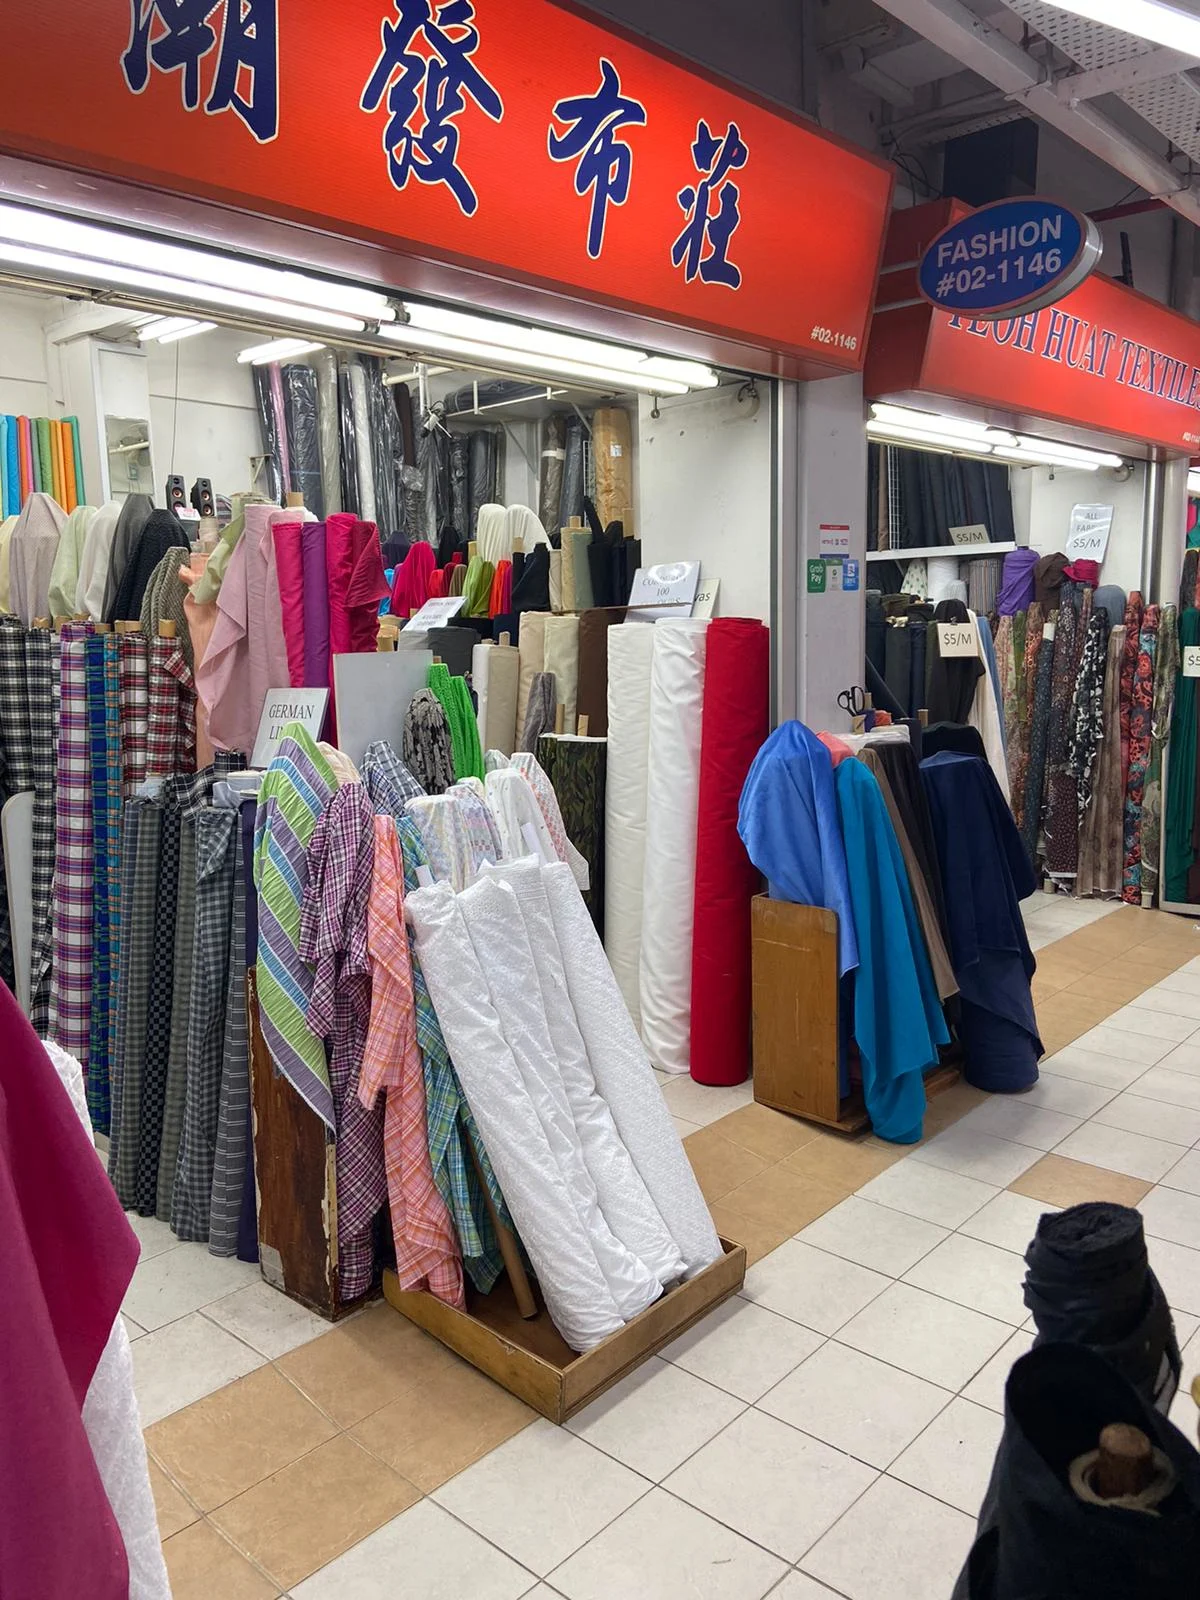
<point>71,981</point>
<point>177,665</point>
<point>171,730</point>
<point>427,1250</point>
<point>135,709</point>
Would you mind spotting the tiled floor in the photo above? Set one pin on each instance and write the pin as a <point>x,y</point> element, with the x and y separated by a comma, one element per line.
<point>827,1433</point>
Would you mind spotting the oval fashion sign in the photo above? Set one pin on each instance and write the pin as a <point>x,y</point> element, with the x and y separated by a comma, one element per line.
<point>1014,255</point>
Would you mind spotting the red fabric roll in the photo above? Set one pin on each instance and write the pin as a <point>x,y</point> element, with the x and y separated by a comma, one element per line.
<point>734,725</point>
<point>289,565</point>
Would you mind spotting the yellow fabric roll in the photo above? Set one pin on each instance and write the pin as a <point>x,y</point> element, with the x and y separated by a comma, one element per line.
<point>612,454</point>
<point>561,655</point>
<point>533,655</point>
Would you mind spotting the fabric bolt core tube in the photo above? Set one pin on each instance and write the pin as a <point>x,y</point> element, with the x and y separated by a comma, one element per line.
<point>733,726</point>
<point>630,653</point>
<point>672,796</point>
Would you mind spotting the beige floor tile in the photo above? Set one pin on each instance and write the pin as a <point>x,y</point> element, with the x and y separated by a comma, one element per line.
<point>202,1566</point>
<point>783,1198</point>
<point>719,1164</point>
<point>367,1364</point>
<point>844,1163</point>
<point>1061,1182</point>
<point>443,1426</point>
<point>225,1444</point>
<point>946,1108</point>
<point>759,1238</point>
<point>770,1134</point>
<point>175,1510</point>
<point>1111,989</point>
<point>316,1508</point>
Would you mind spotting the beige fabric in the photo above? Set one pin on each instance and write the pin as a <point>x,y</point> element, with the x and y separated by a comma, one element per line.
<point>93,563</point>
<point>6,533</point>
<point>64,575</point>
<point>533,657</point>
<point>556,586</point>
<point>561,656</point>
<point>32,555</point>
<point>612,454</point>
<point>503,686</point>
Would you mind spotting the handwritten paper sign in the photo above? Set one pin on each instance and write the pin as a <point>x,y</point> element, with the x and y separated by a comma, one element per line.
<point>436,613</point>
<point>971,533</point>
<point>1087,536</point>
<point>957,639</point>
<point>285,706</point>
<point>1191,660</point>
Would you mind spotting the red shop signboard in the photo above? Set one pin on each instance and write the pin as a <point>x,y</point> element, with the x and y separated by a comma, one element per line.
<point>515,136</point>
<point>1102,358</point>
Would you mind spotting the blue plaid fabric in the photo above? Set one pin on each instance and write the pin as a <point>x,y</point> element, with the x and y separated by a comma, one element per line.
<point>104,844</point>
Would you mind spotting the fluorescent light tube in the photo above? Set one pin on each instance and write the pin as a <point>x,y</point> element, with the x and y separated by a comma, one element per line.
<point>901,433</point>
<point>1145,19</point>
<point>495,355</point>
<point>1045,458</point>
<point>277,350</point>
<point>173,335</point>
<point>1067,453</point>
<point>934,422</point>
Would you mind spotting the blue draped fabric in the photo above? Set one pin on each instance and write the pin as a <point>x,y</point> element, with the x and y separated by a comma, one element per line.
<point>898,1020</point>
<point>985,874</point>
<point>10,495</point>
<point>788,821</point>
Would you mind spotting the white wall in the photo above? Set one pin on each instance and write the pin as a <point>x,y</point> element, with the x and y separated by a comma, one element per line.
<point>203,418</point>
<point>704,491</point>
<point>1042,501</point>
<point>23,385</point>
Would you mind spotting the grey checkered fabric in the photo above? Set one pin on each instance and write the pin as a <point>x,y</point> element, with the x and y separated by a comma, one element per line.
<point>157,1015</point>
<point>233,1111</point>
<point>139,902</point>
<point>41,682</point>
<point>175,1091</point>
<point>16,756</point>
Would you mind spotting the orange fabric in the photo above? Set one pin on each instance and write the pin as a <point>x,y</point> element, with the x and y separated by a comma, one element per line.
<point>68,449</point>
<point>25,455</point>
<point>500,579</point>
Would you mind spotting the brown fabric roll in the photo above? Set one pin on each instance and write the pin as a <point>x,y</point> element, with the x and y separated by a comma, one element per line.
<point>592,694</point>
<point>1048,580</point>
<point>612,455</point>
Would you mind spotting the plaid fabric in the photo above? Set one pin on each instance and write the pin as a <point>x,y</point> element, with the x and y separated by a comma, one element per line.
<point>175,1092</point>
<point>16,760</point>
<point>116,820</point>
<point>157,1017</point>
<point>135,709</point>
<point>163,732</point>
<point>139,901</point>
<point>216,845</point>
<point>71,982</point>
<point>41,680</point>
<point>98,1022</point>
<point>389,782</point>
<point>233,1112</point>
<point>176,666</point>
<point>452,1132</point>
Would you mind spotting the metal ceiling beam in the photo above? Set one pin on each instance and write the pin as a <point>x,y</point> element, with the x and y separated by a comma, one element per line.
<point>1120,75</point>
<point>984,50</point>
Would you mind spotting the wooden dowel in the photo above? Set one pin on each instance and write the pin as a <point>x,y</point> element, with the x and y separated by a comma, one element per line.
<point>294,499</point>
<point>510,1250</point>
<point>582,726</point>
<point>923,717</point>
<point>124,625</point>
<point>506,639</point>
<point>166,628</point>
<point>472,547</point>
<point>1125,1464</point>
<point>560,714</point>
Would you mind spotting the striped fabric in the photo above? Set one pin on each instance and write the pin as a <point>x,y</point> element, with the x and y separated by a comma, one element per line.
<point>71,984</point>
<point>299,784</point>
<point>233,1111</point>
<point>135,709</point>
<point>178,668</point>
<point>105,845</point>
<point>41,679</point>
<point>16,757</point>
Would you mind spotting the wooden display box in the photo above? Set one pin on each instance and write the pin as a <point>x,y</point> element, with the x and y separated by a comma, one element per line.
<point>529,1357</point>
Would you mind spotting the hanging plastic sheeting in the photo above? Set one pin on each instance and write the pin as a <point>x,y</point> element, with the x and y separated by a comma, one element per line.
<point>324,364</point>
<point>554,454</point>
<point>363,436</point>
<point>460,499</point>
<point>412,498</point>
<point>387,448</point>
<point>482,474</point>
<point>630,653</point>
<point>349,439</point>
<point>571,501</point>
<point>300,405</point>
<point>272,470</point>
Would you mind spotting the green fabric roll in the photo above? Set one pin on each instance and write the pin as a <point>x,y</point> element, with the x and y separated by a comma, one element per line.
<point>45,455</point>
<point>455,700</point>
<point>477,587</point>
<point>1180,853</point>
<point>577,768</point>
<point>72,424</point>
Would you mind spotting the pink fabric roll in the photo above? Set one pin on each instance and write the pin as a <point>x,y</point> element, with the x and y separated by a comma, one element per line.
<point>289,568</point>
<point>410,587</point>
<point>357,583</point>
<point>268,648</point>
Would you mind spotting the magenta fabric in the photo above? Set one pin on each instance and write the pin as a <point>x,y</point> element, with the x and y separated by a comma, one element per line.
<point>289,568</point>
<point>410,587</point>
<point>437,584</point>
<point>315,606</point>
<point>67,1255</point>
<point>1087,572</point>
<point>357,583</point>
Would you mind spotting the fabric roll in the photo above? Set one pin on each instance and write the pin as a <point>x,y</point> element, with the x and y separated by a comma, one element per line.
<point>157,1017</point>
<point>101,660</point>
<point>363,442</point>
<point>386,449</point>
<point>428,748</point>
<point>1166,671</point>
<point>162,533</point>
<point>1048,580</point>
<point>531,590</point>
<point>45,450</point>
<point>576,767</point>
<point>533,659</point>
<point>459,833</point>
<point>734,724</point>
<point>175,1087</point>
<point>41,682</point>
<point>460,496</point>
<point>1101,841</point>
<point>72,423</point>
<point>672,794</point>
<point>573,484</point>
<point>551,475</point>
<point>540,711</point>
<point>539,781</point>
<point>951,679</point>
<point>492,534</point>
<point>1039,724</point>
<point>324,364</point>
<point>1017,587</point>
<point>32,556</point>
<point>477,587</point>
<point>480,662</point>
<point>514,807</point>
<point>556,592</point>
<point>942,572</point>
<point>354,565</point>
<point>139,875</point>
<point>612,457</point>
<point>630,657</point>
<point>315,606</point>
<point>71,983</point>
<point>579,593</point>
<point>64,575</point>
<point>458,581</point>
<point>500,599</point>
<point>498,729</point>
<point>232,1163</point>
<point>986,711</point>
<point>288,539</point>
<point>271,473</point>
<point>1060,816</point>
<point>592,694</point>
<point>301,414</point>
<point>1140,734</point>
<point>561,658</point>
<point>482,468</point>
<point>1180,852</point>
<point>279,413</point>
<point>455,697</point>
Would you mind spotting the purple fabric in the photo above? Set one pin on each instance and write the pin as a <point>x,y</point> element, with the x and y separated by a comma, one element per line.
<point>1016,587</point>
<point>316,606</point>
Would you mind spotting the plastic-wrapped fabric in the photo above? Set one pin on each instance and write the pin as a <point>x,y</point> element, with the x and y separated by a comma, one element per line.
<point>540,711</point>
<point>279,410</point>
<point>734,724</point>
<point>543,1208</point>
<point>301,411</point>
<point>533,659</point>
<point>460,500</point>
<point>612,454</point>
<point>271,443</point>
<point>531,591</point>
<point>386,448</point>
<point>576,766</point>
<point>429,468</point>
<point>551,476</point>
<point>539,781</point>
<point>366,445</point>
<point>630,654</point>
<point>324,364</point>
<point>672,794</point>
<point>482,474</point>
<point>577,544</point>
<point>455,645</point>
<point>561,657</point>
<point>351,500</point>
<point>556,604</point>
<point>498,720</point>
<point>412,499</point>
<point>571,499</point>
<point>622,1073</point>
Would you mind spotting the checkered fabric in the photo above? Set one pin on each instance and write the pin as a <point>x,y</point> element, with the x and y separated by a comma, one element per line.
<point>135,709</point>
<point>41,681</point>
<point>16,761</point>
<point>165,751</point>
<point>157,1017</point>
<point>176,665</point>
<point>71,982</point>
<point>103,846</point>
<point>389,782</point>
<point>233,1113</point>
<point>139,901</point>
<point>175,1092</point>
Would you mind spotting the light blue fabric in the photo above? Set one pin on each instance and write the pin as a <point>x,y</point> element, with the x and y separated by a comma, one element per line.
<point>6,493</point>
<point>989,650</point>
<point>898,1020</point>
<point>788,821</point>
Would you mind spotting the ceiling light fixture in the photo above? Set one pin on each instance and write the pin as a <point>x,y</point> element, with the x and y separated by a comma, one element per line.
<point>934,422</point>
<point>1145,19</point>
<point>901,433</point>
<point>277,350</point>
<point>507,358</point>
<point>1067,454</point>
<point>173,335</point>
<point>1045,458</point>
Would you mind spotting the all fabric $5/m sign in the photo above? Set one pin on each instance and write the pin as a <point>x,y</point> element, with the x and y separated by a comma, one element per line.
<point>1014,255</point>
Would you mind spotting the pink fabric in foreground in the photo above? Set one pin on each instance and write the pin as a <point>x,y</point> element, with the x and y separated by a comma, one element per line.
<point>289,569</point>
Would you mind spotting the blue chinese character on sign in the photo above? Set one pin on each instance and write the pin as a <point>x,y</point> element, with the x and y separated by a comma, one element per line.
<point>605,162</point>
<point>702,246</point>
<point>426,92</point>
<point>176,36</point>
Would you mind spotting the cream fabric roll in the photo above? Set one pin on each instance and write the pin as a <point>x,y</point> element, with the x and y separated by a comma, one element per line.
<point>567,579</point>
<point>525,526</point>
<point>672,798</point>
<point>533,658</point>
<point>514,807</point>
<point>492,539</point>
<point>503,683</point>
<point>480,664</point>
<point>556,588</point>
<point>630,653</point>
<point>561,657</point>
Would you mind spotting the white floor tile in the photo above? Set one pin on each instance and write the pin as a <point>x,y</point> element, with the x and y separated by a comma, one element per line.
<point>655,1418</point>
<point>184,1362</point>
<point>743,1348</point>
<point>1130,1153</point>
<point>1179,1002</point>
<point>1158,1021</point>
<point>895,1544</point>
<point>771,1483</point>
<point>1185,1174</point>
<point>874,1236</point>
<point>266,1319</point>
<point>931,1193</point>
<point>986,1388</point>
<point>855,1403</point>
<point>810,1286</point>
<point>977,1155</point>
<point>1009,1221</point>
<point>798,1586</point>
<point>699,1103</point>
<point>1183,979</point>
<point>154,1236</point>
<point>132,1328</point>
<point>953,1458</point>
<point>974,1274</point>
<point>1177,1269</point>
<point>1065,1093</point>
<point>1134,1113</point>
<point>1175,1088</point>
<point>662,1549</point>
<point>430,1556</point>
<point>1185,1058</point>
<point>924,1334</point>
<point>179,1281</point>
<point>1089,1066</point>
<point>1133,1048</point>
<point>541,1495</point>
<point>1011,1117</point>
<point>683,1127</point>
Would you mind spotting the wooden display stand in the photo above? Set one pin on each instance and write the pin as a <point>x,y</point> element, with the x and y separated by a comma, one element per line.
<point>795,994</point>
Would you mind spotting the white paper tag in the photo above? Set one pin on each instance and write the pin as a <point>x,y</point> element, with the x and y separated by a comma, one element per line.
<point>1048,631</point>
<point>1088,531</point>
<point>970,533</point>
<point>1191,660</point>
<point>957,639</point>
<point>616,450</point>
<point>706,597</point>
<point>436,613</point>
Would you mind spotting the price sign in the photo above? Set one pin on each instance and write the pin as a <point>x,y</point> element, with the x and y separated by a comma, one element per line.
<point>705,602</point>
<point>957,639</point>
<point>281,708</point>
<point>664,591</point>
<point>970,533</point>
<point>1087,535</point>
<point>1191,660</point>
<point>435,613</point>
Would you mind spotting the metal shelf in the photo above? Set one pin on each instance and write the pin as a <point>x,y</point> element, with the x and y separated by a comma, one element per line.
<point>923,552</point>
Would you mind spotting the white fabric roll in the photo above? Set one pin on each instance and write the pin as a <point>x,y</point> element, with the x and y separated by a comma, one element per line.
<point>943,571</point>
<point>630,652</point>
<point>498,932</point>
<point>547,800</point>
<point>525,526</point>
<point>672,799</point>
<point>515,807</point>
<point>624,1199</point>
<point>492,540</point>
<point>623,1076</point>
<point>480,657</point>
<point>577,1297</point>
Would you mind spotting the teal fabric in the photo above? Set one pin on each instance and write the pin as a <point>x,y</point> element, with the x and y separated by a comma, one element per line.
<point>898,1020</point>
